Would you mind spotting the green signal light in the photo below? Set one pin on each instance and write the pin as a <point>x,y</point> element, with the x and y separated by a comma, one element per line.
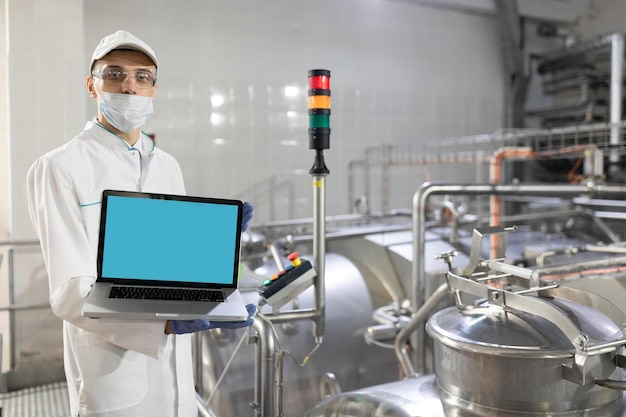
<point>319,120</point>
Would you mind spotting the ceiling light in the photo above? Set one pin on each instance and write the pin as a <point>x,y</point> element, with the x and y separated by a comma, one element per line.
<point>217,100</point>
<point>291,91</point>
<point>216,119</point>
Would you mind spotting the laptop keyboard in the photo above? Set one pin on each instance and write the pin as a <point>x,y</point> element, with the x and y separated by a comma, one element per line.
<point>176,294</point>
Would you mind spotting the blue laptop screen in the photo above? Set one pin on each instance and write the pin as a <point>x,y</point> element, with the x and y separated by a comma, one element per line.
<point>190,240</point>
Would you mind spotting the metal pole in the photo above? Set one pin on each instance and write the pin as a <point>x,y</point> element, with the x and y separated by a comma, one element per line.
<point>199,363</point>
<point>319,253</point>
<point>12,321</point>
<point>279,384</point>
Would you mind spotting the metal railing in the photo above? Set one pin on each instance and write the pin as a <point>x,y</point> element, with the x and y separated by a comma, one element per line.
<point>477,153</point>
<point>12,307</point>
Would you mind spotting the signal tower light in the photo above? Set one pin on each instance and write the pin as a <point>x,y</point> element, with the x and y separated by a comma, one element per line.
<point>319,116</point>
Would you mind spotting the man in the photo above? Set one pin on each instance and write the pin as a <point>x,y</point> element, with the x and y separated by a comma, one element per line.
<point>114,368</point>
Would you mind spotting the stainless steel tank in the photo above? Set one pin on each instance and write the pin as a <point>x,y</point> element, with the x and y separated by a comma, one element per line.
<point>414,397</point>
<point>526,348</point>
<point>487,366</point>
<point>518,364</point>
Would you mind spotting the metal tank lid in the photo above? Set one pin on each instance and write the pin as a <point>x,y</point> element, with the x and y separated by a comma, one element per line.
<point>489,329</point>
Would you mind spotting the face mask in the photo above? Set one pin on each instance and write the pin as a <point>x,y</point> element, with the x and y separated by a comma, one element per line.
<point>125,111</point>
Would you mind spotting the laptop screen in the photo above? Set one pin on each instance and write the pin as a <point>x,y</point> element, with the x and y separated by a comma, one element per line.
<point>169,239</point>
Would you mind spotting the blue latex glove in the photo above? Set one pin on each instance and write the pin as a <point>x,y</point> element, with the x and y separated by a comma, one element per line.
<point>192,326</point>
<point>246,215</point>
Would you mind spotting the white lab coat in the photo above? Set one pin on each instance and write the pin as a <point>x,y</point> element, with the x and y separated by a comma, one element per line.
<point>114,368</point>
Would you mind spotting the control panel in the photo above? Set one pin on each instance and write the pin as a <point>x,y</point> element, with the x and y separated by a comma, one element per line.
<point>288,283</point>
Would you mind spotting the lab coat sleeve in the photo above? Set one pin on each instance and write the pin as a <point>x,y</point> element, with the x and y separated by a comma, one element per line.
<point>70,259</point>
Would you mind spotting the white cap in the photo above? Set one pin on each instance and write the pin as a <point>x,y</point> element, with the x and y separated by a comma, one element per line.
<point>121,40</point>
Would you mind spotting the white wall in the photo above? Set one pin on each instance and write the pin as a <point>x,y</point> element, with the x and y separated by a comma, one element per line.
<point>400,73</point>
<point>41,103</point>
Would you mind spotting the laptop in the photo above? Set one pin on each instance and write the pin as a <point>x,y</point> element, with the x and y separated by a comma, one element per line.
<point>167,257</point>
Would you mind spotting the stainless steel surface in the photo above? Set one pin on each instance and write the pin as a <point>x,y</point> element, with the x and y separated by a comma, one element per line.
<point>420,397</point>
<point>543,305</point>
<point>517,363</point>
<point>414,397</point>
<point>563,347</point>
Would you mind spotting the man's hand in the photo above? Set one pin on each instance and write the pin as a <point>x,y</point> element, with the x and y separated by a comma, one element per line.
<point>192,326</point>
<point>246,215</point>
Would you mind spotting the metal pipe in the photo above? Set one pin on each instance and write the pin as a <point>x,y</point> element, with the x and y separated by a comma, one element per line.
<point>264,368</point>
<point>419,221</point>
<point>604,227</point>
<point>416,320</point>
<point>339,218</point>
<point>605,249</point>
<point>32,306</point>
<point>550,270</point>
<point>589,214</point>
<point>18,242</point>
<point>203,410</point>
<point>367,173</point>
<point>289,316</point>
<point>529,274</point>
<point>12,320</point>
<point>199,363</point>
<point>227,367</point>
<point>279,384</point>
<point>617,65</point>
<point>276,257</point>
<point>386,315</point>
<point>342,235</point>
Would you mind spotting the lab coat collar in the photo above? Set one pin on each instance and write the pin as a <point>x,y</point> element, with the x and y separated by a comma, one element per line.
<point>113,141</point>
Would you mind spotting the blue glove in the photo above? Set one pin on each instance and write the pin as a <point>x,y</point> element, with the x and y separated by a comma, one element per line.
<point>246,215</point>
<point>192,326</point>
